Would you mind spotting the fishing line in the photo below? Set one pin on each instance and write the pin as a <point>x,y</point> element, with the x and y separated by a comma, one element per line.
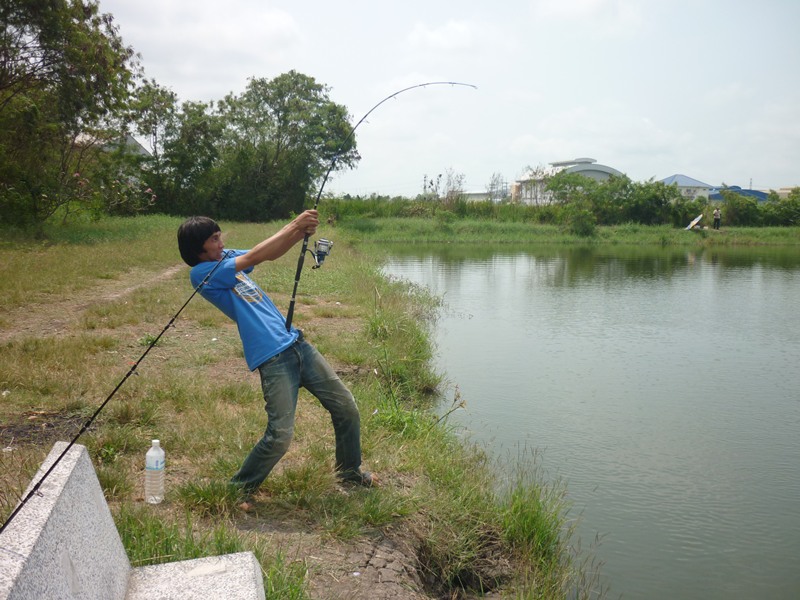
<point>35,489</point>
<point>336,156</point>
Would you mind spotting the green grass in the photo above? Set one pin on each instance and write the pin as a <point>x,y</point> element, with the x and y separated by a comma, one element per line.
<point>474,231</point>
<point>149,539</point>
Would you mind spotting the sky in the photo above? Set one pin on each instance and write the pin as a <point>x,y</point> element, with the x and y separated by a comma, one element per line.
<point>705,88</point>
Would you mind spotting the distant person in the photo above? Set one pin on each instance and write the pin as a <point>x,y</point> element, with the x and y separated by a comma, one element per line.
<point>717,218</point>
<point>285,361</point>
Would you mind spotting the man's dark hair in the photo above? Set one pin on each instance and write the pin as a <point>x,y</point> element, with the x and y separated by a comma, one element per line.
<point>192,234</point>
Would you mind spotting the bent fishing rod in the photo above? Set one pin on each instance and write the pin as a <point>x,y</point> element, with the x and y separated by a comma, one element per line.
<point>132,371</point>
<point>327,244</point>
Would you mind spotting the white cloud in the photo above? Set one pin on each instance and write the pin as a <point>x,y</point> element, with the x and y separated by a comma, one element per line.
<point>205,52</point>
<point>605,17</point>
<point>453,35</point>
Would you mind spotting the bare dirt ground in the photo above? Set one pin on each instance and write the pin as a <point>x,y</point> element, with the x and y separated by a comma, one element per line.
<point>44,320</point>
<point>382,566</point>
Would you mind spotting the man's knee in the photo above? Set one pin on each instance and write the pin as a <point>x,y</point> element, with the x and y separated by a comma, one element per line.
<point>347,411</point>
<point>281,440</point>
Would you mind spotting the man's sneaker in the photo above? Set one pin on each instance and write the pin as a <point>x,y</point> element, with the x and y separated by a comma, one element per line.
<point>362,478</point>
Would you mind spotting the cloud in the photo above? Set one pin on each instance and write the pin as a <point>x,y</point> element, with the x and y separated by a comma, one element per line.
<point>610,132</point>
<point>605,17</point>
<point>200,51</point>
<point>453,35</point>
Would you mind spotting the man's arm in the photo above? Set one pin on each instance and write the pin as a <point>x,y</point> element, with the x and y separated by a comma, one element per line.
<point>279,244</point>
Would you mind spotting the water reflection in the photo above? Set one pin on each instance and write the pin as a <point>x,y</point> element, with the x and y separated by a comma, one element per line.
<point>660,383</point>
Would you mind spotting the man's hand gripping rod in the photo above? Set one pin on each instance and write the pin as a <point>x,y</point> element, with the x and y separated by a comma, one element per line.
<point>336,156</point>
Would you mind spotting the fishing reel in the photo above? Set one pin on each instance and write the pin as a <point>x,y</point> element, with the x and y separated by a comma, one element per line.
<point>322,248</point>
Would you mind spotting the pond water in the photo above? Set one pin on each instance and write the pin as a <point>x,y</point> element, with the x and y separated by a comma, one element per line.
<point>661,385</point>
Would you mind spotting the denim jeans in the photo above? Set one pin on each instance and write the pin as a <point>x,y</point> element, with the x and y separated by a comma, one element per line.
<point>282,376</point>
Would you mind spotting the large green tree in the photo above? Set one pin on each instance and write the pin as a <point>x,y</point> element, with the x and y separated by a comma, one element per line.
<point>153,114</point>
<point>64,74</point>
<point>782,211</point>
<point>254,156</point>
<point>281,136</point>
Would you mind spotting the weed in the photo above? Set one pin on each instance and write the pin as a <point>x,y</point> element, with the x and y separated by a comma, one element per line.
<point>115,482</point>
<point>148,340</point>
<point>208,498</point>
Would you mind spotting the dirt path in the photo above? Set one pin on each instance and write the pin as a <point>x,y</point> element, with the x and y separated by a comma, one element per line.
<point>49,319</point>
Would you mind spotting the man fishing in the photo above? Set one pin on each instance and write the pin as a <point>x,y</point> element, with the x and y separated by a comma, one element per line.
<point>285,361</point>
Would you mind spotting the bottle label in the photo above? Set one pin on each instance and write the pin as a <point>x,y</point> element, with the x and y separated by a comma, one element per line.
<point>157,465</point>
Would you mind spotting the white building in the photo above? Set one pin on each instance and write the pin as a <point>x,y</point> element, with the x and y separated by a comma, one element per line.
<point>531,189</point>
<point>688,187</point>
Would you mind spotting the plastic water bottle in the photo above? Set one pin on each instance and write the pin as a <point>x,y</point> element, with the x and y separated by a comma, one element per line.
<point>154,474</point>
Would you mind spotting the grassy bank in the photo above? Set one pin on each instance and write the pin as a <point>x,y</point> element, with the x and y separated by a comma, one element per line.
<point>80,308</point>
<point>447,228</point>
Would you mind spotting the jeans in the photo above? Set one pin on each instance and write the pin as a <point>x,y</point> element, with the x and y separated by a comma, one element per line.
<point>301,365</point>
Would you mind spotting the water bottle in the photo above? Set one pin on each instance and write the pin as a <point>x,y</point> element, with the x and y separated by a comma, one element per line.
<point>154,474</point>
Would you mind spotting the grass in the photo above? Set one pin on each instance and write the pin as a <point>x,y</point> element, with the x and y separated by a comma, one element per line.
<point>471,532</point>
<point>472,231</point>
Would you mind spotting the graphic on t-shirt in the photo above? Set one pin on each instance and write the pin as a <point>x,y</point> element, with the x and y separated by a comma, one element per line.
<point>247,290</point>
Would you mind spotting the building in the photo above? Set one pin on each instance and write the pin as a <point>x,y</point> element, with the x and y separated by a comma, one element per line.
<point>757,194</point>
<point>587,167</point>
<point>688,187</point>
<point>532,188</point>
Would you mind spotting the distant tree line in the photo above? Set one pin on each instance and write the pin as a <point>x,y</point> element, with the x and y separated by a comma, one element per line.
<point>74,99</point>
<point>585,203</point>
<point>581,204</point>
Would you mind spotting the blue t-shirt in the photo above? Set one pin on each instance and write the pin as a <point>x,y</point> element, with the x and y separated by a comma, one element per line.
<point>262,327</point>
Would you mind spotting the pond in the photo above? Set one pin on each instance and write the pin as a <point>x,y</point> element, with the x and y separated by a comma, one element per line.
<point>661,385</point>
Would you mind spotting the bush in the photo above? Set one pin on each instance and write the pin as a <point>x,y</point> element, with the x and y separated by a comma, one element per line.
<point>580,221</point>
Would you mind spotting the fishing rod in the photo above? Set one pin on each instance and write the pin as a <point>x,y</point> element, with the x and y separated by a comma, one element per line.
<point>35,489</point>
<point>323,245</point>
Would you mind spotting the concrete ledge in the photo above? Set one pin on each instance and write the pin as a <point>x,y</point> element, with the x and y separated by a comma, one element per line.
<point>213,578</point>
<point>64,545</point>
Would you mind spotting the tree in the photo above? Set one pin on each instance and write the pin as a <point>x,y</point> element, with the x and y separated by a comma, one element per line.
<point>534,187</point>
<point>64,72</point>
<point>777,211</point>
<point>191,153</point>
<point>650,203</point>
<point>497,188</point>
<point>570,187</point>
<point>740,210</point>
<point>431,187</point>
<point>453,186</point>
<point>153,112</point>
<point>280,138</point>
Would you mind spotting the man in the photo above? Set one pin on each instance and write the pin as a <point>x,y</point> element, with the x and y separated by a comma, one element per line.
<point>717,217</point>
<point>285,361</point>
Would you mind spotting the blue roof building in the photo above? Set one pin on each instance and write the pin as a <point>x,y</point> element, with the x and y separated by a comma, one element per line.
<point>757,194</point>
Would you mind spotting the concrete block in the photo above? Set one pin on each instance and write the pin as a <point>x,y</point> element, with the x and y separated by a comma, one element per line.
<point>63,543</point>
<point>211,578</point>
